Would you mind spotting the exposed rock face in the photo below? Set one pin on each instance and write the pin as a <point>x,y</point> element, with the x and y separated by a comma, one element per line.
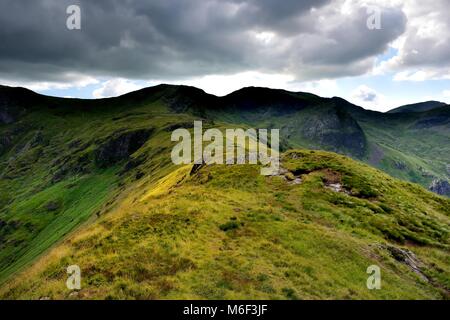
<point>120,146</point>
<point>336,131</point>
<point>425,173</point>
<point>407,257</point>
<point>133,163</point>
<point>336,187</point>
<point>70,165</point>
<point>196,167</point>
<point>400,165</point>
<point>441,187</point>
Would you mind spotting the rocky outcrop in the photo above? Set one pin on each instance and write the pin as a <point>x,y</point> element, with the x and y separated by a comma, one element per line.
<point>337,131</point>
<point>70,165</point>
<point>441,187</point>
<point>425,173</point>
<point>196,167</point>
<point>9,136</point>
<point>120,146</point>
<point>400,165</point>
<point>408,258</point>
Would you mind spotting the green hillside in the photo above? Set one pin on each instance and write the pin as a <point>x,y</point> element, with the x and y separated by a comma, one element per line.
<point>91,182</point>
<point>226,232</point>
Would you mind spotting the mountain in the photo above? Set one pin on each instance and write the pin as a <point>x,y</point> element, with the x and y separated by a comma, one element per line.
<point>410,146</point>
<point>413,147</point>
<point>418,107</point>
<point>13,102</point>
<point>91,182</point>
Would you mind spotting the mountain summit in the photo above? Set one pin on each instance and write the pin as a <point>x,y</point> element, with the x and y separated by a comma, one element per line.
<point>419,107</point>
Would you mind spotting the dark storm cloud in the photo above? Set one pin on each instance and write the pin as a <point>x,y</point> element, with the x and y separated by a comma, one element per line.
<point>182,38</point>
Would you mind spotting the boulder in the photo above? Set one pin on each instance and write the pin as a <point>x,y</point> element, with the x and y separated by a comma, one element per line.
<point>441,187</point>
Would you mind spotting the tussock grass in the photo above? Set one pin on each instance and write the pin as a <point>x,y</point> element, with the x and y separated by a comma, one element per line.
<point>226,232</point>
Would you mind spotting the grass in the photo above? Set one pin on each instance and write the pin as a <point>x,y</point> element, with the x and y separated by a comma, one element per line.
<point>38,229</point>
<point>227,232</point>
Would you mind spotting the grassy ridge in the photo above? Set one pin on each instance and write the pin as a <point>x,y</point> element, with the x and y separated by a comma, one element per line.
<point>228,232</point>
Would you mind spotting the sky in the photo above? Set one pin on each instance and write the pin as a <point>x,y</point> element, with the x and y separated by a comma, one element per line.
<point>378,54</point>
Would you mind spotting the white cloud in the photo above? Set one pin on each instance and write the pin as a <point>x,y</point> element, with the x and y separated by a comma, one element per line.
<point>423,74</point>
<point>323,88</point>
<point>221,85</point>
<point>224,84</point>
<point>69,80</point>
<point>446,96</point>
<point>180,39</point>
<point>420,75</point>
<point>369,98</point>
<point>115,87</point>
<point>372,99</point>
<point>424,49</point>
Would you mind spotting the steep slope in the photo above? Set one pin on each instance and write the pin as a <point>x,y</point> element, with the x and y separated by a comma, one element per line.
<point>411,146</point>
<point>59,166</point>
<point>226,232</point>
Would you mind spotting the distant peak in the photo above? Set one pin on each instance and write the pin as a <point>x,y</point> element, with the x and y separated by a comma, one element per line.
<point>418,107</point>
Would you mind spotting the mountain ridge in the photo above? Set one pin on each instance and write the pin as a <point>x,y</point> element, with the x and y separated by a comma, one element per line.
<point>419,107</point>
<point>385,140</point>
<point>246,92</point>
<point>71,166</point>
